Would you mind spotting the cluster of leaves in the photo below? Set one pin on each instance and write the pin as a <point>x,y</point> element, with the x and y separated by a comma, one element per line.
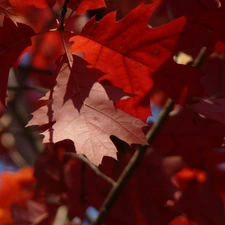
<point>101,74</point>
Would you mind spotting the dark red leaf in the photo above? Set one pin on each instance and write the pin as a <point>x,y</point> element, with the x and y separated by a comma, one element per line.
<point>13,40</point>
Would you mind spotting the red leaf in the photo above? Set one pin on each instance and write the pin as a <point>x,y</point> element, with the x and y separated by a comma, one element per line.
<point>29,12</point>
<point>13,40</point>
<point>214,83</point>
<point>38,4</point>
<point>209,13</point>
<point>81,6</point>
<point>142,201</point>
<point>34,213</point>
<point>201,209</point>
<point>189,135</point>
<point>83,112</point>
<point>18,182</point>
<point>6,8</point>
<point>182,220</point>
<point>212,109</point>
<point>134,56</point>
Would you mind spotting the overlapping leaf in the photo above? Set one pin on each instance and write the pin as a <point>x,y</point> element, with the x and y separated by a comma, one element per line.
<point>208,13</point>
<point>6,8</point>
<point>190,135</point>
<point>38,4</point>
<point>13,40</point>
<point>213,107</point>
<point>135,56</point>
<point>81,6</point>
<point>83,112</point>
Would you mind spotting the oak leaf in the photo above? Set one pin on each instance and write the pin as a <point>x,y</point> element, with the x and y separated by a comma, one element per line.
<point>83,112</point>
<point>134,56</point>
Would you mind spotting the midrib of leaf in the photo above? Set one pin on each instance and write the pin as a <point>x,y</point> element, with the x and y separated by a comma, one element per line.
<point>70,60</point>
<point>70,63</point>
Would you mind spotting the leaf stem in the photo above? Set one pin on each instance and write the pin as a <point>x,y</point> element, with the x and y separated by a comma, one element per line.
<point>199,59</point>
<point>133,164</point>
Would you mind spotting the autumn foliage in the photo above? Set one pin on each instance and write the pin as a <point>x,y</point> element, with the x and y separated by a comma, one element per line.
<point>82,86</point>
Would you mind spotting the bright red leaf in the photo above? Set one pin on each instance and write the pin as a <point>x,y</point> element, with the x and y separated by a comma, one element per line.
<point>5,217</point>
<point>134,56</point>
<point>18,182</point>
<point>83,112</point>
<point>13,40</point>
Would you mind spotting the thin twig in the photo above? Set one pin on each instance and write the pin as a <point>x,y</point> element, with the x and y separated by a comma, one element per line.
<point>140,152</point>
<point>199,59</point>
<point>133,164</point>
<point>92,166</point>
<point>63,15</point>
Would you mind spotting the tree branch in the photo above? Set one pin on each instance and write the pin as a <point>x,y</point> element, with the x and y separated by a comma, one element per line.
<point>133,164</point>
<point>63,15</point>
<point>140,152</point>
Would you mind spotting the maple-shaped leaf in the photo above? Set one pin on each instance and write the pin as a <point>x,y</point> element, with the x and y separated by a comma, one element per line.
<point>134,56</point>
<point>83,112</point>
<point>13,40</point>
<point>81,6</point>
